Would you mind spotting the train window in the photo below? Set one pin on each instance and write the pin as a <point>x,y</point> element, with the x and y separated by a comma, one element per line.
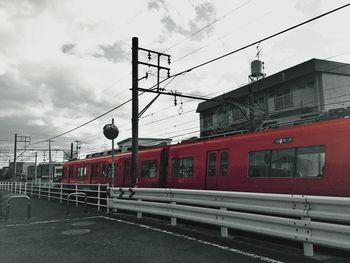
<point>81,171</point>
<point>94,170</point>
<point>127,168</point>
<point>310,161</point>
<point>149,169</point>
<point>107,170</point>
<point>282,163</point>
<point>182,167</point>
<point>223,163</point>
<point>212,164</point>
<point>259,164</point>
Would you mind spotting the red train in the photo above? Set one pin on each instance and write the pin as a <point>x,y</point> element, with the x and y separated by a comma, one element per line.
<point>312,159</point>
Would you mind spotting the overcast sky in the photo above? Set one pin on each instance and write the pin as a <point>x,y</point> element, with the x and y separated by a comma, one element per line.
<point>65,62</point>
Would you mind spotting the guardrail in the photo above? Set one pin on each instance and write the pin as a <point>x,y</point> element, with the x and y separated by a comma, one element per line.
<point>96,194</point>
<point>79,194</point>
<point>17,197</point>
<point>312,220</point>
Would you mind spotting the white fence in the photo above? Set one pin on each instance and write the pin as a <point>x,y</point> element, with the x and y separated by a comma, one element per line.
<point>313,220</point>
<point>96,194</point>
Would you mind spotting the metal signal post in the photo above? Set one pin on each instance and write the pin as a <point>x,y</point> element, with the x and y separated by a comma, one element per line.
<point>135,99</point>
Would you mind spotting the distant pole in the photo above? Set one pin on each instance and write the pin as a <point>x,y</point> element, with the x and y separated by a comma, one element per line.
<point>78,142</point>
<point>50,162</point>
<point>14,159</point>
<point>36,168</point>
<point>71,150</point>
<point>135,112</point>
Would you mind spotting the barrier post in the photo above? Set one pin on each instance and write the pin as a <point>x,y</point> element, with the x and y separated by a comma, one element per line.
<point>173,220</point>
<point>139,214</point>
<point>61,193</point>
<point>31,190</point>
<point>224,230</point>
<point>48,191</point>
<point>39,189</point>
<point>76,197</point>
<point>15,187</point>
<point>308,247</point>
<point>25,188</point>
<point>98,197</point>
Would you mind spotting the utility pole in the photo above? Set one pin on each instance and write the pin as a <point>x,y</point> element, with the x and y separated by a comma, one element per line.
<point>71,151</point>
<point>111,132</point>
<point>26,140</point>
<point>50,162</point>
<point>14,159</point>
<point>78,147</point>
<point>113,168</point>
<point>135,99</point>
<point>135,112</point>
<point>36,168</point>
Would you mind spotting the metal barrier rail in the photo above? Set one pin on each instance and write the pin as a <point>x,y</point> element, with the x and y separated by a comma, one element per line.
<point>78,194</point>
<point>96,193</point>
<point>309,219</point>
<point>17,197</point>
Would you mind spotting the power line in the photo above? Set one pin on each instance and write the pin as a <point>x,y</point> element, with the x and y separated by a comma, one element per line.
<point>206,63</point>
<point>101,115</point>
<point>261,40</point>
<point>208,25</point>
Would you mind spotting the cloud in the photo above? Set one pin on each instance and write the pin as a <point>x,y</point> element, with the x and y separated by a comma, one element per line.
<point>204,14</point>
<point>155,4</point>
<point>308,7</point>
<point>68,48</point>
<point>114,52</point>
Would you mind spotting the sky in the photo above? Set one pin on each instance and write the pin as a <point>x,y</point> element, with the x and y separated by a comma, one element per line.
<point>63,63</point>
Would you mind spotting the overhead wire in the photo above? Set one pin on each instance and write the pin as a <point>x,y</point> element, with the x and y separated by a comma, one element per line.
<point>206,63</point>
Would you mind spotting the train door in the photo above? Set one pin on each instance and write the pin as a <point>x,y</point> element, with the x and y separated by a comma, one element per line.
<point>217,169</point>
<point>127,173</point>
<point>70,174</point>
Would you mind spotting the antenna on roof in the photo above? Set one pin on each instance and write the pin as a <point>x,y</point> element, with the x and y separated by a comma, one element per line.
<point>257,66</point>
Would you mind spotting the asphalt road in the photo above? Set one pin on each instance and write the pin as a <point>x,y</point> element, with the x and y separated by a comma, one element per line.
<point>52,236</point>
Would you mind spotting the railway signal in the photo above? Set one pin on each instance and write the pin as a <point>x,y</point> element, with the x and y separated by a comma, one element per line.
<point>111,132</point>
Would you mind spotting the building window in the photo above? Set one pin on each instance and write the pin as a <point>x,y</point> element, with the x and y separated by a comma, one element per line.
<point>208,120</point>
<point>237,114</point>
<point>212,164</point>
<point>223,163</point>
<point>182,167</point>
<point>284,100</point>
<point>149,169</point>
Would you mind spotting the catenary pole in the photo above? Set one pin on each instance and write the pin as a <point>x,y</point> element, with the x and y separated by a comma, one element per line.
<point>135,112</point>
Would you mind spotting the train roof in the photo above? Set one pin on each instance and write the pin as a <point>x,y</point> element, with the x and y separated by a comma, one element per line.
<point>326,123</point>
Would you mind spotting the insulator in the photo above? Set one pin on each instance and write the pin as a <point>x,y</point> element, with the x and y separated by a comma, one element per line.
<point>169,60</point>
<point>149,55</point>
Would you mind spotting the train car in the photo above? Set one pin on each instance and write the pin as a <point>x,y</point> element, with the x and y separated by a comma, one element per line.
<point>309,159</point>
<point>152,169</point>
